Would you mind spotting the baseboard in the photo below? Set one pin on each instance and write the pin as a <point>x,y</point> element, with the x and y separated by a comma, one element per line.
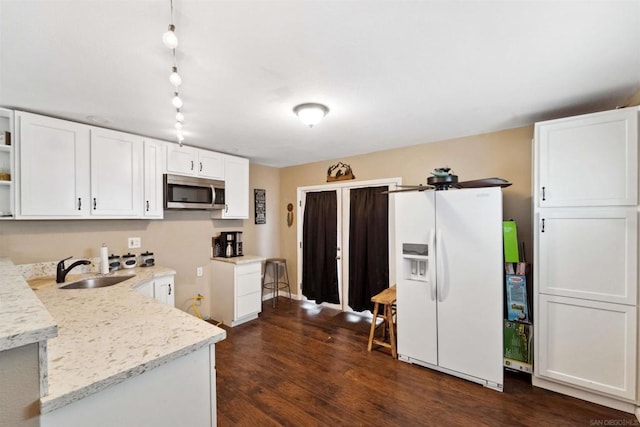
<point>609,402</point>
<point>270,295</point>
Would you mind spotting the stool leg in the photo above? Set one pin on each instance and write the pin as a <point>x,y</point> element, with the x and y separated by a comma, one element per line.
<point>373,326</point>
<point>286,275</point>
<point>264,274</point>
<point>392,335</point>
<point>276,274</point>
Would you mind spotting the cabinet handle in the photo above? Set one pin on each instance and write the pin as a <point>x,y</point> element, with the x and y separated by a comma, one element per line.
<point>191,164</point>
<point>543,195</point>
<point>169,288</point>
<point>226,208</point>
<point>147,206</point>
<point>95,203</point>
<point>542,230</point>
<point>79,203</point>
<point>200,166</point>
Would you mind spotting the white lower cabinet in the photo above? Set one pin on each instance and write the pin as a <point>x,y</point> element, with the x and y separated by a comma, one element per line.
<point>145,288</point>
<point>181,392</point>
<point>160,288</point>
<point>236,291</point>
<point>590,344</point>
<point>163,290</point>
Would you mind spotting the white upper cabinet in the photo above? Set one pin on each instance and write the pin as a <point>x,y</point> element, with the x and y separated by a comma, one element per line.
<point>210,164</point>
<point>588,160</point>
<point>116,173</point>
<point>52,167</point>
<point>236,189</point>
<point>194,161</point>
<point>72,170</point>
<point>154,155</point>
<point>181,160</point>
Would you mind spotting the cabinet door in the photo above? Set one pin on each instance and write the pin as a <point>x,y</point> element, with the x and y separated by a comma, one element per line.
<point>53,167</point>
<point>588,344</point>
<point>145,289</point>
<point>248,290</point>
<point>181,160</point>
<point>588,160</point>
<point>589,253</point>
<point>210,164</point>
<point>164,290</point>
<point>116,174</point>
<point>153,185</point>
<point>236,188</point>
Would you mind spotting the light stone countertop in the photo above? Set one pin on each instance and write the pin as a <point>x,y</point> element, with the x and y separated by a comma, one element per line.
<point>23,318</point>
<point>244,259</point>
<point>109,334</point>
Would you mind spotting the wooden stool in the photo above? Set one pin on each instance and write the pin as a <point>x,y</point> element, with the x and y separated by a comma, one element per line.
<point>388,300</point>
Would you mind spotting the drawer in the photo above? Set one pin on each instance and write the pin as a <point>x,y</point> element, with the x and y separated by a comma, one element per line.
<point>251,268</point>
<point>248,304</point>
<point>248,283</point>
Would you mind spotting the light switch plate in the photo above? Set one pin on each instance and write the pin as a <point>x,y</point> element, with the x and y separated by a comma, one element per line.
<point>199,271</point>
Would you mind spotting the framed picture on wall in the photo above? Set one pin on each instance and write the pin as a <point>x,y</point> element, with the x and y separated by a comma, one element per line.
<point>260,198</point>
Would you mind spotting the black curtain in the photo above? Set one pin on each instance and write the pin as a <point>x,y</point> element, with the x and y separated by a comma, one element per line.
<point>368,245</point>
<point>319,234</point>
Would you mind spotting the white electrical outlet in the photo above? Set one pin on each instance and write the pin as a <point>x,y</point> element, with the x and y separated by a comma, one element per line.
<point>134,242</point>
<point>199,271</point>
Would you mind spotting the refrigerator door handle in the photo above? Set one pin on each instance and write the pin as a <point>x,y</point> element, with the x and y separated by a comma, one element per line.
<point>432,264</point>
<point>440,270</point>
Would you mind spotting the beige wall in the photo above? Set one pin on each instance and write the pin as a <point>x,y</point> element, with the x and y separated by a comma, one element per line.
<point>633,100</point>
<point>505,154</point>
<point>181,241</point>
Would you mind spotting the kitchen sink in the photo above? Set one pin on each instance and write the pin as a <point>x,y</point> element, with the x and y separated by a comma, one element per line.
<point>97,282</point>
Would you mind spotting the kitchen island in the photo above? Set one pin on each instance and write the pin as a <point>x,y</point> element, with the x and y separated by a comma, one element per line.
<point>122,358</point>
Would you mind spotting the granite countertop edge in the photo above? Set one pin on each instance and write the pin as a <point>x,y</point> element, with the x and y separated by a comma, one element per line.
<point>51,403</point>
<point>129,334</point>
<point>24,319</point>
<point>244,259</point>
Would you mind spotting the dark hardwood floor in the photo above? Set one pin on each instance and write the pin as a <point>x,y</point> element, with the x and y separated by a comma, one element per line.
<point>302,365</point>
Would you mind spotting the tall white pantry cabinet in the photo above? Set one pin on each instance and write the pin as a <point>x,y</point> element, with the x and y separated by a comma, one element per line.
<point>586,257</point>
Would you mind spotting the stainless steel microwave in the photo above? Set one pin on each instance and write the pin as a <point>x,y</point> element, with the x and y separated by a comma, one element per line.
<point>187,192</point>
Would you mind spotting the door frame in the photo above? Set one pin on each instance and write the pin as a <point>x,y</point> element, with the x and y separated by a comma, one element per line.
<point>343,231</point>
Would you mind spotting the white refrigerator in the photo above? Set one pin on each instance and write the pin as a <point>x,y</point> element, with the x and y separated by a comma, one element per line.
<point>449,277</point>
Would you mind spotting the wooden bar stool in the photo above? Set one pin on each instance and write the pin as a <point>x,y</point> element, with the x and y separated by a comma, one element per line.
<point>388,300</point>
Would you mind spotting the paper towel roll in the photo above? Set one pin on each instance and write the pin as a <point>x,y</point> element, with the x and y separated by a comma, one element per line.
<point>104,259</point>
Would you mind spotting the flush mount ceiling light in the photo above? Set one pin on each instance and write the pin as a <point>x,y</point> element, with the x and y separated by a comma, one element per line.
<point>310,113</point>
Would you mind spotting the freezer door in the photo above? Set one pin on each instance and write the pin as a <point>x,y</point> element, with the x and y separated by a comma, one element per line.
<point>415,276</point>
<point>470,272</point>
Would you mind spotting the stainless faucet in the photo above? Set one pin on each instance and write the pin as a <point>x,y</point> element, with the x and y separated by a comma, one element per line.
<point>61,272</point>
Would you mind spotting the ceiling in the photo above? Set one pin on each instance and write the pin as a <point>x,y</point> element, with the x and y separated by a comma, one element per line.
<point>393,73</point>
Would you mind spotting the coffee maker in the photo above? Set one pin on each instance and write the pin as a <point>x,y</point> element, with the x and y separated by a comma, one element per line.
<point>228,244</point>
